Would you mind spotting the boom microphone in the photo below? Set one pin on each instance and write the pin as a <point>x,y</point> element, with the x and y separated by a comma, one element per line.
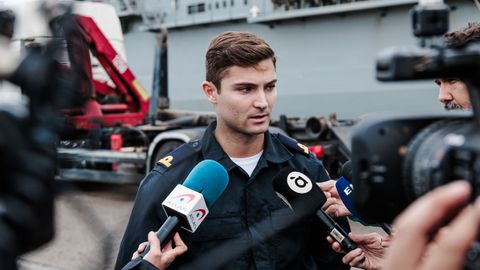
<point>345,191</point>
<point>304,197</point>
<point>187,205</point>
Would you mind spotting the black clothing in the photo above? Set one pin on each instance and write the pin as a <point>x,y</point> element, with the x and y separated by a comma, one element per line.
<point>139,264</point>
<point>245,202</point>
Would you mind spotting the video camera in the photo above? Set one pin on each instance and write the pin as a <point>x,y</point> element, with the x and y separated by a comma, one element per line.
<point>397,159</point>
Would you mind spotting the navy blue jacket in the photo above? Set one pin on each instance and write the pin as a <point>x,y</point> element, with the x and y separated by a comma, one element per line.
<point>246,201</point>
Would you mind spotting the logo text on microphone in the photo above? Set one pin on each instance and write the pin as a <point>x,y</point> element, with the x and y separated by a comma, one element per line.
<point>187,204</point>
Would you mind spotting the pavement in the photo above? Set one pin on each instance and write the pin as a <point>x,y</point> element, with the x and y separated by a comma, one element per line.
<point>90,220</point>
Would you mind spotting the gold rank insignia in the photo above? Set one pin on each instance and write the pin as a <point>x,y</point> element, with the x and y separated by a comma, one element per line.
<point>305,149</point>
<point>166,161</point>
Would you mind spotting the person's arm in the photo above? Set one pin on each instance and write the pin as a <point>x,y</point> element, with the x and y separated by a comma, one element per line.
<point>157,258</point>
<point>426,237</point>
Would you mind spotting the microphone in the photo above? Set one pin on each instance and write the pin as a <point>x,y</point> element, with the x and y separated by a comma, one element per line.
<point>304,198</point>
<point>345,187</point>
<point>345,191</point>
<point>187,205</point>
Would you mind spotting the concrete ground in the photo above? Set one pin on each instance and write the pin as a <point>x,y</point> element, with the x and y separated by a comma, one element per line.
<point>90,221</point>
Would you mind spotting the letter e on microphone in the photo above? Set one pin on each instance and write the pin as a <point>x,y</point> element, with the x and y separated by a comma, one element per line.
<point>348,190</point>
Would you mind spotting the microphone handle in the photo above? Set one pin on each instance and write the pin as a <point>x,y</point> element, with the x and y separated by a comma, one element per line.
<point>386,227</point>
<point>337,232</point>
<point>165,233</point>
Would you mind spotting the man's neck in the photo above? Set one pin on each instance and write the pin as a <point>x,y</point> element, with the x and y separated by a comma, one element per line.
<point>239,145</point>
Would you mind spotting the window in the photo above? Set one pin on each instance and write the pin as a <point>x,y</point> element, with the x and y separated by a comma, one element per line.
<point>224,3</point>
<point>232,3</point>
<point>192,9</point>
<point>201,7</point>
<point>245,2</point>
<point>217,5</point>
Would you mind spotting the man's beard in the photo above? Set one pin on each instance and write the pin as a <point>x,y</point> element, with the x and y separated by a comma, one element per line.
<point>452,106</point>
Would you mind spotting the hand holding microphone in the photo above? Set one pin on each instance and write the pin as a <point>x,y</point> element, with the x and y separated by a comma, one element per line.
<point>158,257</point>
<point>186,206</point>
<point>345,192</point>
<point>334,205</point>
<point>301,195</point>
<point>369,255</point>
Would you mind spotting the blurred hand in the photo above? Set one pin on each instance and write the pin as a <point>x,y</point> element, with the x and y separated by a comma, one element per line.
<point>369,254</point>
<point>422,239</point>
<point>334,206</point>
<point>161,258</point>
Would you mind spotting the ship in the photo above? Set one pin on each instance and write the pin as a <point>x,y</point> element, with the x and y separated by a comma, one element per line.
<point>326,49</point>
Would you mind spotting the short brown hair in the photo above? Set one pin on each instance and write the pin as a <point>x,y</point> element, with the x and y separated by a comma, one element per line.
<point>234,49</point>
<point>463,36</point>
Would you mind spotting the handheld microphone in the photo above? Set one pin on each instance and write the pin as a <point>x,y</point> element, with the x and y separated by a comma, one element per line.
<point>345,191</point>
<point>187,205</point>
<point>304,198</point>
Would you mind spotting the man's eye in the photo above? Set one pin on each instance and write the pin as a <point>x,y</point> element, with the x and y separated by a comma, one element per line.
<point>271,87</point>
<point>452,80</point>
<point>245,89</point>
<point>438,82</point>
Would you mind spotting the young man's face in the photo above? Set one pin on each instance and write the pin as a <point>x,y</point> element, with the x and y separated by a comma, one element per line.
<point>453,94</point>
<point>246,98</point>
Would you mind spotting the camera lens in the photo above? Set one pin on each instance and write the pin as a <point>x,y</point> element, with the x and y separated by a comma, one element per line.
<point>428,163</point>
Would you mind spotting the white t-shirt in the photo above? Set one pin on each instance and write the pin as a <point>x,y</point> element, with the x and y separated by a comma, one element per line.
<point>248,164</point>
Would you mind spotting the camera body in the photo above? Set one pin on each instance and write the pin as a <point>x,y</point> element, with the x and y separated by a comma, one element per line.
<point>398,158</point>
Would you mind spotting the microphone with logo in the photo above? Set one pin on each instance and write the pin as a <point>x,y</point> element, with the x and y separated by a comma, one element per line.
<point>345,191</point>
<point>187,205</point>
<point>304,198</point>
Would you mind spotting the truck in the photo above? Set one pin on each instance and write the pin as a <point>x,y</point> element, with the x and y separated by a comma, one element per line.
<point>121,131</point>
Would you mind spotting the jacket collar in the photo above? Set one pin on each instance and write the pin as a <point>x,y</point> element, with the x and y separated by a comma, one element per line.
<point>274,151</point>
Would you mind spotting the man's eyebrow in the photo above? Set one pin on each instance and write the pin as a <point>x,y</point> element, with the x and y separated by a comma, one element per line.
<point>244,83</point>
<point>272,82</point>
<point>253,84</point>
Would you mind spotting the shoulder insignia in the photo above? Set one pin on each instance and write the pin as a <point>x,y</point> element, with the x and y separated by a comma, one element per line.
<point>180,153</point>
<point>293,144</point>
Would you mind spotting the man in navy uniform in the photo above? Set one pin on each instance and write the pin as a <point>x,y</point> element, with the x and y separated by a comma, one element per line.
<point>241,84</point>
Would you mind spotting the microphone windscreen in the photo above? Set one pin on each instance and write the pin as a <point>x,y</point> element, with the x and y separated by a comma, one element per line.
<point>299,192</point>
<point>208,178</point>
<point>345,190</point>
<point>347,171</point>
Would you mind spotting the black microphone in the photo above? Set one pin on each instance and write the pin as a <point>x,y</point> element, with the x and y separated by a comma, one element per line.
<point>345,191</point>
<point>304,198</point>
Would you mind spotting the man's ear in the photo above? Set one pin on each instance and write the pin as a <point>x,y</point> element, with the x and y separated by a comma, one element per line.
<point>210,91</point>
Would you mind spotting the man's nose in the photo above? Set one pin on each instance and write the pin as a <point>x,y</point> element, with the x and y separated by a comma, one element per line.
<point>444,94</point>
<point>261,101</point>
